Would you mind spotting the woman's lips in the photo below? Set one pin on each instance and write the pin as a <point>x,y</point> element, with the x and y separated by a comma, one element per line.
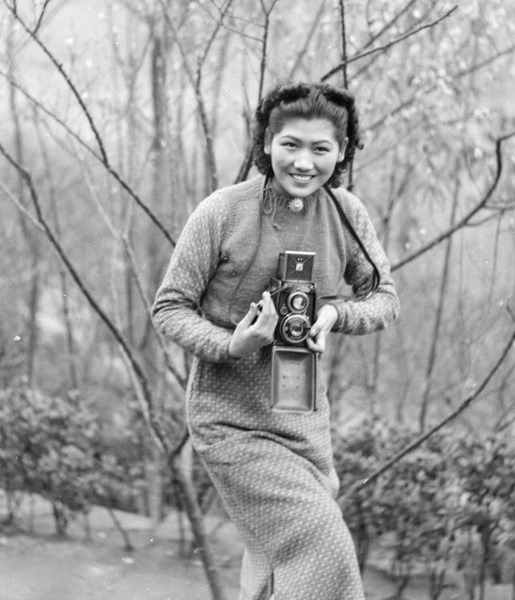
<point>302,178</point>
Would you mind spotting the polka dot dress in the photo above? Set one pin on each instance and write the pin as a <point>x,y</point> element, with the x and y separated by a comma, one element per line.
<point>274,474</point>
<point>273,470</point>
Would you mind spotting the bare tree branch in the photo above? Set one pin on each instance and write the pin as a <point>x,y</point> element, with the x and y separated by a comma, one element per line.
<point>146,405</point>
<point>196,82</point>
<point>264,52</point>
<point>247,161</point>
<point>486,62</point>
<point>65,76</point>
<point>467,218</point>
<point>428,89</point>
<point>390,23</point>
<point>444,280</point>
<point>123,239</point>
<point>12,197</point>
<point>425,436</point>
<point>189,501</point>
<point>387,46</point>
<point>103,155</point>
<point>302,52</point>
<point>41,16</point>
<point>344,44</point>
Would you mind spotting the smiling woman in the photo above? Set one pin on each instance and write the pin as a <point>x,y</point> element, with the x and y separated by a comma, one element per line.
<point>274,468</point>
<point>303,155</point>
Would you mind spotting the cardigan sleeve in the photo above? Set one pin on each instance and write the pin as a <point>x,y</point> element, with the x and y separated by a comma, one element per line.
<point>361,314</point>
<point>176,310</point>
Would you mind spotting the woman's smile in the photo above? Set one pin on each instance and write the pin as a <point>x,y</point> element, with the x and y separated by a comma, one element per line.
<point>302,178</point>
<point>303,154</point>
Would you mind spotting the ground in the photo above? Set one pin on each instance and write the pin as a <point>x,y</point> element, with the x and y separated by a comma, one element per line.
<point>36,565</point>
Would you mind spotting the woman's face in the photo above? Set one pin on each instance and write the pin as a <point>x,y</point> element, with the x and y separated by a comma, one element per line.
<point>304,154</point>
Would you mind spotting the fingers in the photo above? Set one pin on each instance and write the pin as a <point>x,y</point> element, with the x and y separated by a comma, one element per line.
<point>267,312</point>
<point>251,315</point>
<point>267,304</point>
<point>256,329</point>
<point>317,342</point>
<point>326,318</point>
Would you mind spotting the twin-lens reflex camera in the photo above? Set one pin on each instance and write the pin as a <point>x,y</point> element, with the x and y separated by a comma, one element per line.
<point>294,366</point>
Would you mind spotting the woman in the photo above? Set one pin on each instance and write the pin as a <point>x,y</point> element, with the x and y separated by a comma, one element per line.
<point>273,469</point>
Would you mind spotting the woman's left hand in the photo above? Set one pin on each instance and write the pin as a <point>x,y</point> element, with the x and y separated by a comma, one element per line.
<point>326,318</point>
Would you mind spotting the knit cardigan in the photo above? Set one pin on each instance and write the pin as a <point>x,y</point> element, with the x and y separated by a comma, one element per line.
<point>212,277</point>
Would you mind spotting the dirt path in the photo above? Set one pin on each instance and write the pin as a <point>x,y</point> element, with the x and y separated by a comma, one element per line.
<point>41,567</point>
<point>45,569</point>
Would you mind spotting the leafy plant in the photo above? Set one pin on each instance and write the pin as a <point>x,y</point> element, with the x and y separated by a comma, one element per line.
<point>450,504</point>
<point>49,446</point>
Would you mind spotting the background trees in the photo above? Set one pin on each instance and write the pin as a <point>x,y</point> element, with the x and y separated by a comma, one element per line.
<point>119,117</point>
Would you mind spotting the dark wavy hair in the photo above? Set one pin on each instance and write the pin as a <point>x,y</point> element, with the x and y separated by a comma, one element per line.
<point>307,101</point>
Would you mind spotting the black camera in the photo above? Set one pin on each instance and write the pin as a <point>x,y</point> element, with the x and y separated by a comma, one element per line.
<point>294,366</point>
<point>294,295</point>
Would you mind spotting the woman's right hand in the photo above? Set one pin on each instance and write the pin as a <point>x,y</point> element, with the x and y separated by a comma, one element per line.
<point>256,329</point>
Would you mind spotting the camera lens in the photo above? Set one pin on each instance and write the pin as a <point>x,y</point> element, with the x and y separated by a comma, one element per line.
<point>294,329</point>
<point>298,302</point>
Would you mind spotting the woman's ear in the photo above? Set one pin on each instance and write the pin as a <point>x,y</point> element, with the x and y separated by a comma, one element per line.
<point>343,147</point>
<point>268,141</point>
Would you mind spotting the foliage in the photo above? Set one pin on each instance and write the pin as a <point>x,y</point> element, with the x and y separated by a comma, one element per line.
<point>49,446</point>
<point>447,505</point>
<point>486,470</point>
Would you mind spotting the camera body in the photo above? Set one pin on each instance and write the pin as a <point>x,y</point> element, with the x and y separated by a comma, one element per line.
<point>294,296</point>
<point>294,366</point>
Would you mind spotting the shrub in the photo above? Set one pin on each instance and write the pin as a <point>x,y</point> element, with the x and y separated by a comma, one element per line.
<point>448,503</point>
<point>49,446</point>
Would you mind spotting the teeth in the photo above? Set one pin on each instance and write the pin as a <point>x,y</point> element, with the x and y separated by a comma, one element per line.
<point>302,177</point>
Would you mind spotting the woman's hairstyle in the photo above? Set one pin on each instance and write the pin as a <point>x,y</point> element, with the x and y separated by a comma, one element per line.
<point>307,101</point>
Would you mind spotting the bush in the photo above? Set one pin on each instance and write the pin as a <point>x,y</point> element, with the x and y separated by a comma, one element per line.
<point>49,446</point>
<point>434,504</point>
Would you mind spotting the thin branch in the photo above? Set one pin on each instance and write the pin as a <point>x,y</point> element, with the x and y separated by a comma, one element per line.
<point>219,24</point>
<point>264,43</point>
<point>424,437</point>
<point>466,219</point>
<point>247,161</point>
<point>390,23</point>
<point>65,76</point>
<point>12,197</point>
<point>103,155</point>
<point>50,114</point>
<point>196,81</point>
<point>299,56</point>
<point>123,239</point>
<point>139,375</point>
<point>438,320</point>
<point>387,46</point>
<point>364,68</point>
<point>41,16</point>
<point>344,44</point>
<point>485,63</point>
<point>430,88</point>
<point>190,502</point>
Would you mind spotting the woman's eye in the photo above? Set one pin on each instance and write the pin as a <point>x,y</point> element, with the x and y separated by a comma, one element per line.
<point>321,149</point>
<point>289,145</point>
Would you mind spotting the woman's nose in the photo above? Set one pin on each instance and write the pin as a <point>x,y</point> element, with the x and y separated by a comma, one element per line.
<point>303,161</point>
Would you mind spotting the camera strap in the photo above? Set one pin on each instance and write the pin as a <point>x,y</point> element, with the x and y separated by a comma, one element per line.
<point>346,221</point>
